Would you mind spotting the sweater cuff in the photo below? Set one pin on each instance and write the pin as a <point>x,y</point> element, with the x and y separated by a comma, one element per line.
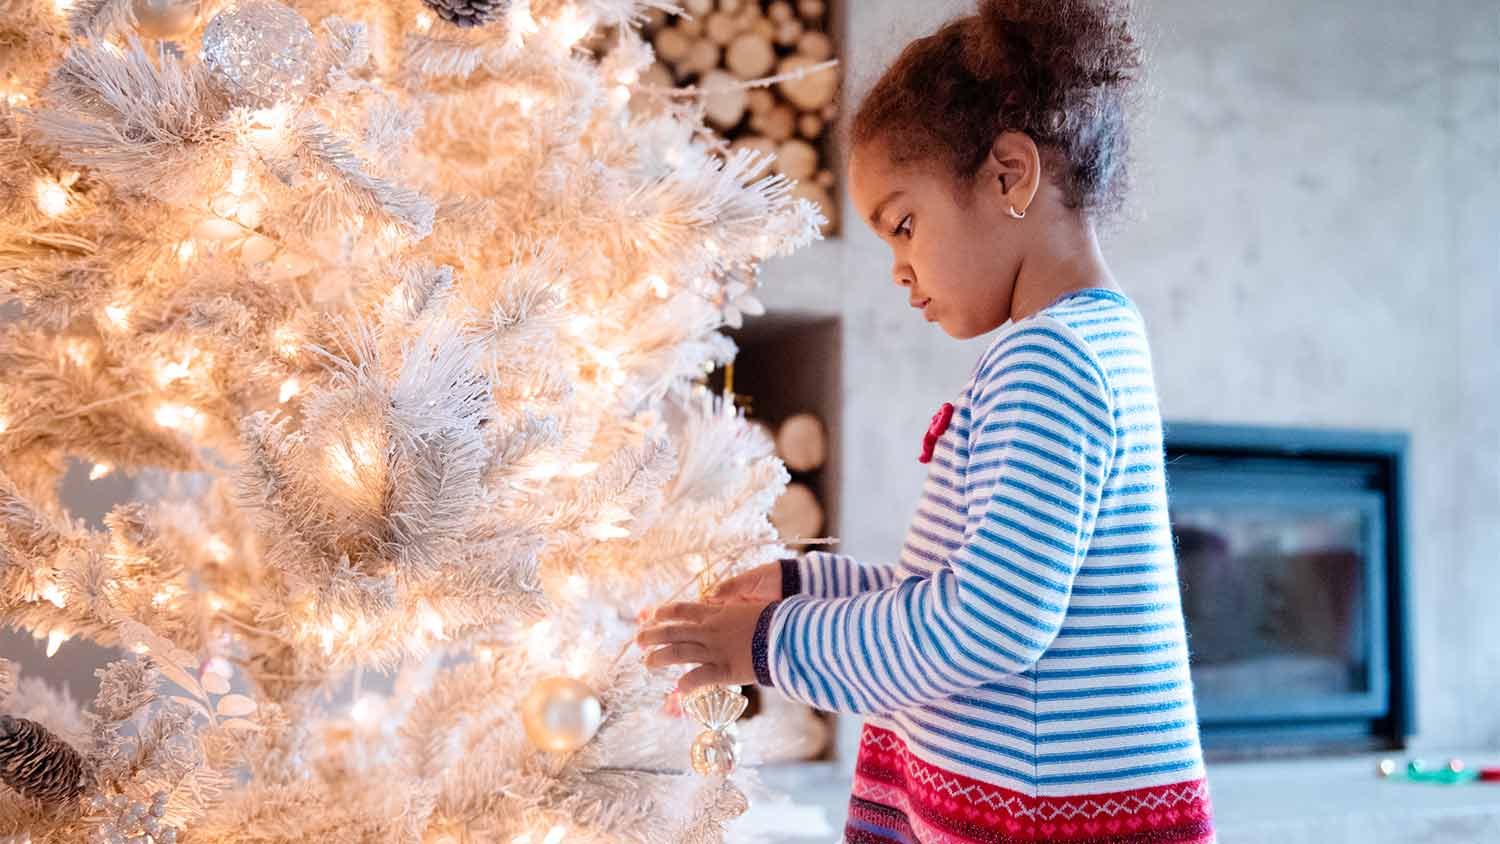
<point>791,577</point>
<point>760,656</point>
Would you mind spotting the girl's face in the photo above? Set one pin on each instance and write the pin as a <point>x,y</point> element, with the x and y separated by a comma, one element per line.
<point>955,249</point>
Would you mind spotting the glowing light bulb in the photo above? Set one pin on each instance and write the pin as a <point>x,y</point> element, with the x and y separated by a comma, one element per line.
<point>544,471</point>
<point>424,21</point>
<point>54,595</point>
<point>578,470</point>
<point>540,644</point>
<point>239,178</point>
<point>576,587</point>
<point>523,838</point>
<point>526,103</point>
<point>581,325</point>
<point>268,124</point>
<point>118,316</point>
<point>218,548</point>
<point>570,25</point>
<point>100,470</point>
<point>290,387</point>
<point>55,640</point>
<point>174,416</point>
<point>349,460</point>
<point>658,286</point>
<point>17,98</point>
<point>186,250</point>
<point>81,352</point>
<point>286,340</point>
<point>432,623</point>
<point>554,835</point>
<point>619,97</point>
<point>51,198</point>
<point>364,711</point>
<point>62,6</point>
<point>174,370</point>
<point>579,661</point>
<point>215,603</point>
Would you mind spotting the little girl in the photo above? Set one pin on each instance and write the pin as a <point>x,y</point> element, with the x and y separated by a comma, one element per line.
<point>1024,666</point>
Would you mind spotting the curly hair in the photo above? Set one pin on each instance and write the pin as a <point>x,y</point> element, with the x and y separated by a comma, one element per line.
<point>1061,71</point>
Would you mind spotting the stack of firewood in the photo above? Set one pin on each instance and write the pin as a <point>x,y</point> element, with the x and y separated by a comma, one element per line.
<point>718,44</point>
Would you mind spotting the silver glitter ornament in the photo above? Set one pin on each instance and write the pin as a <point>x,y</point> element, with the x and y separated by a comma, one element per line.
<point>261,52</point>
<point>165,19</point>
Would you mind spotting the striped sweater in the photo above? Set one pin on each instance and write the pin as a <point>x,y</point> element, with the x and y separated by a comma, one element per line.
<point>1023,667</point>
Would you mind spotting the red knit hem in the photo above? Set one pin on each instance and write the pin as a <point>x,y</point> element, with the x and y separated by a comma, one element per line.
<point>899,799</point>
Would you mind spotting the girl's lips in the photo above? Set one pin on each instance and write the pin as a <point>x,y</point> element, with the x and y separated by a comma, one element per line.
<point>920,304</point>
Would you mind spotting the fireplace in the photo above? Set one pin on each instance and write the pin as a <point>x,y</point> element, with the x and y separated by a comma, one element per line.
<point>1291,554</point>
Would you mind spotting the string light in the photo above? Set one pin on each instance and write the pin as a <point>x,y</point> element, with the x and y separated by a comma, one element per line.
<point>62,6</point>
<point>218,548</point>
<point>540,644</point>
<point>424,21</point>
<point>658,286</point>
<point>348,460</point>
<point>51,197</point>
<point>286,340</point>
<point>290,387</point>
<point>53,594</point>
<point>100,470</point>
<point>80,351</point>
<point>554,835</point>
<point>118,316</point>
<point>432,624</point>
<point>185,251</point>
<point>174,416</point>
<point>4,423</point>
<point>55,640</point>
<point>570,25</point>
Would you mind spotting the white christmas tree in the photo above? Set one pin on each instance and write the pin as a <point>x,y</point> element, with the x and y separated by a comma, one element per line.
<point>398,312</point>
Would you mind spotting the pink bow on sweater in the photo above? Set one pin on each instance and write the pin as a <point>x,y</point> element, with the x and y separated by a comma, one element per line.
<point>939,424</point>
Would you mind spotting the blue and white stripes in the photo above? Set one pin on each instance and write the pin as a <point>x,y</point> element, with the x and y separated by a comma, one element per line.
<point>1031,634</point>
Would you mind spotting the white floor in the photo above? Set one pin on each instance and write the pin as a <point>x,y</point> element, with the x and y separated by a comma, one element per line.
<point>1325,801</point>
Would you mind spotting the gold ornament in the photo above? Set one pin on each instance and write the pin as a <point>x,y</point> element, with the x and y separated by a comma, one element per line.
<point>715,752</point>
<point>561,714</point>
<point>165,19</point>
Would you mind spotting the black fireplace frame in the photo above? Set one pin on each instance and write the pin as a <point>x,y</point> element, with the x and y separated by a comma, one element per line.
<point>1293,465</point>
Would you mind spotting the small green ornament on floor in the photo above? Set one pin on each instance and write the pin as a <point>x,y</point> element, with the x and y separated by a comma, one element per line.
<point>38,764</point>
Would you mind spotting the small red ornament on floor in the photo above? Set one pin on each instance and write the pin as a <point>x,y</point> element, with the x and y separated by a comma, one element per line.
<point>939,424</point>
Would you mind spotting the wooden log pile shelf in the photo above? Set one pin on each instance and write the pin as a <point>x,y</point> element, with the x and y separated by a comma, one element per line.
<point>717,44</point>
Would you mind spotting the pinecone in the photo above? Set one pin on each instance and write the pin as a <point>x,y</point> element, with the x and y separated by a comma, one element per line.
<point>468,12</point>
<point>37,763</point>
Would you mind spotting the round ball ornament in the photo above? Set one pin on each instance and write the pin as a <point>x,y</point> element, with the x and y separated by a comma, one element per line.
<point>260,52</point>
<point>561,714</point>
<point>715,752</point>
<point>165,19</point>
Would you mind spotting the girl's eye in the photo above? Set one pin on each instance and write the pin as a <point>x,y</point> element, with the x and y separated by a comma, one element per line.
<point>903,228</point>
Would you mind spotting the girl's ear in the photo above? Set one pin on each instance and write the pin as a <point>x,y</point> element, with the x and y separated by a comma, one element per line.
<point>1015,164</point>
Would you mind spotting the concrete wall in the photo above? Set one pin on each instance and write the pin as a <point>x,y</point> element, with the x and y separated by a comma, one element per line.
<point>1313,241</point>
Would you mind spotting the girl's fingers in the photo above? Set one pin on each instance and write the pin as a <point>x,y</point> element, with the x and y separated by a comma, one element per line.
<point>684,612</point>
<point>729,587</point>
<point>703,675</point>
<point>669,634</point>
<point>679,653</point>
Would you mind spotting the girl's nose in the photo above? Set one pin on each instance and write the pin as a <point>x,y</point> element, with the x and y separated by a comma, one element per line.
<point>902,276</point>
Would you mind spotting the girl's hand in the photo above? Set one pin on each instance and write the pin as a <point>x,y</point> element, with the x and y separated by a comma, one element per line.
<point>762,583</point>
<point>716,638</point>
